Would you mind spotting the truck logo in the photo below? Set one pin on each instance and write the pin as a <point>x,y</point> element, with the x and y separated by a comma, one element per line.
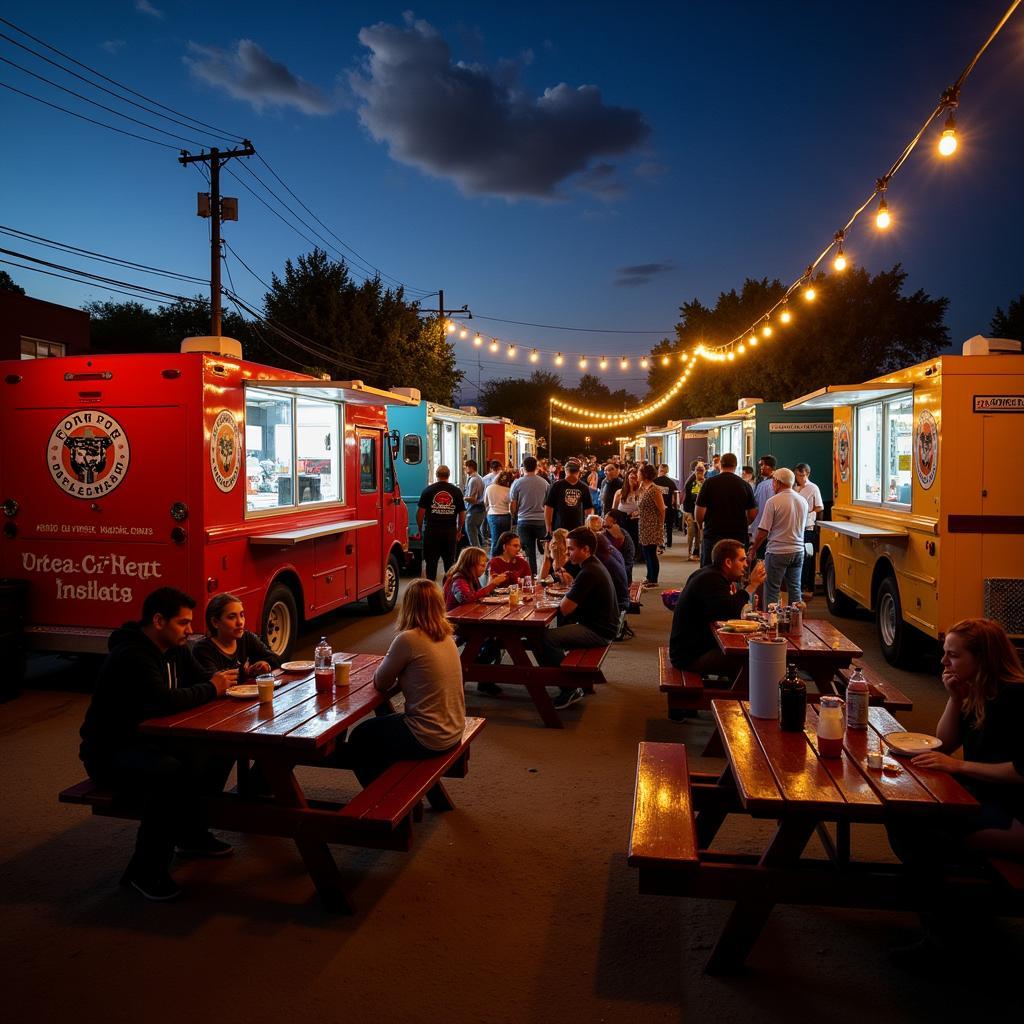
<point>225,451</point>
<point>926,449</point>
<point>843,452</point>
<point>88,454</point>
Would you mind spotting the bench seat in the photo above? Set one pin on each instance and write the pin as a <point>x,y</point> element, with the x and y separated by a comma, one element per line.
<point>585,662</point>
<point>882,692</point>
<point>685,691</point>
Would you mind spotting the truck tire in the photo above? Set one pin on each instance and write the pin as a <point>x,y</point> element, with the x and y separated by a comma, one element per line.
<point>385,598</point>
<point>280,620</point>
<point>895,637</point>
<point>838,603</point>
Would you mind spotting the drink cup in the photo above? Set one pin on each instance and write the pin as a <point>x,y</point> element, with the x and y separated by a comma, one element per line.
<point>265,688</point>
<point>342,672</point>
<point>324,679</point>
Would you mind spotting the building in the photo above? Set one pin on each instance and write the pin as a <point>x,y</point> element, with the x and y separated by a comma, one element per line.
<point>34,329</point>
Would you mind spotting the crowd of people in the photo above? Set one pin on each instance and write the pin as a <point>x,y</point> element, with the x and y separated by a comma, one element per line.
<point>577,524</point>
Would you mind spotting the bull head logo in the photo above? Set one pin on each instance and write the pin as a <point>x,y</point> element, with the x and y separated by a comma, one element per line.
<point>88,454</point>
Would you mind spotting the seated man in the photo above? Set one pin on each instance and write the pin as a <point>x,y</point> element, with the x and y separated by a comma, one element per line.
<point>711,594</point>
<point>150,671</point>
<point>588,615</point>
<point>611,559</point>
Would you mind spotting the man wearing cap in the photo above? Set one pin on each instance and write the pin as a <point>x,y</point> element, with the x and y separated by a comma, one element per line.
<point>568,501</point>
<point>782,526</point>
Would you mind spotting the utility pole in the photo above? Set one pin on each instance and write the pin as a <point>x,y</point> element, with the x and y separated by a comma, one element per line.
<point>212,209</point>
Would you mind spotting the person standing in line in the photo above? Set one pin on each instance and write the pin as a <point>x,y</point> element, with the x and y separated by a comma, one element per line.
<point>815,506</point>
<point>627,501</point>
<point>691,491</point>
<point>473,494</point>
<point>725,509</point>
<point>568,501</point>
<point>748,474</point>
<point>496,505</point>
<point>493,469</point>
<point>782,527</point>
<point>716,466</point>
<point>651,513</point>
<point>441,517</point>
<point>526,505</point>
<point>611,486</point>
<point>670,495</point>
<point>765,488</point>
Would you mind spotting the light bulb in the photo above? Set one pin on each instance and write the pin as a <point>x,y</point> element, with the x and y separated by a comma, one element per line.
<point>882,218</point>
<point>743,348</point>
<point>785,316</point>
<point>766,331</point>
<point>731,356</point>
<point>752,339</point>
<point>810,294</point>
<point>623,363</point>
<point>451,327</point>
<point>948,140</point>
<point>583,362</point>
<point>494,345</point>
<point>511,351</point>
<point>477,340</point>
<point>603,363</point>
<point>534,356</point>
<point>664,360</point>
<point>558,359</point>
<point>839,263</point>
<point>645,362</point>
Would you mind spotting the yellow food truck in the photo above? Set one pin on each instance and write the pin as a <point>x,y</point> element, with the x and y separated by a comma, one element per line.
<point>928,522</point>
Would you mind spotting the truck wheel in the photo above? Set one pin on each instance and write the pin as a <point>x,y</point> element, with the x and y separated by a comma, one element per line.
<point>385,598</point>
<point>280,620</point>
<point>894,636</point>
<point>838,603</point>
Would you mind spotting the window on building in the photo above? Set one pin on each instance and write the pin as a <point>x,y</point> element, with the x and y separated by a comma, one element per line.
<point>883,451</point>
<point>412,449</point>
<point>36,348</point>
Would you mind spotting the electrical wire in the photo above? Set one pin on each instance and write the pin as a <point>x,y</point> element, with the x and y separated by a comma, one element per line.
<point>560,327</point>
<point>108,288</point>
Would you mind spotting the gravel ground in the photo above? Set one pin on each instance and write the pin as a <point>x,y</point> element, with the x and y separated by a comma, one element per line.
<point>519,906</point>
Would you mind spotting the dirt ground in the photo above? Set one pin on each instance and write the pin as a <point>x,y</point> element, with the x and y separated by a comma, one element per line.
<point>518,906</point>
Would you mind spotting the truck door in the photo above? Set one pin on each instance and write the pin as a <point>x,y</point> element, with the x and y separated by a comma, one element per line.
<point>370,505</point>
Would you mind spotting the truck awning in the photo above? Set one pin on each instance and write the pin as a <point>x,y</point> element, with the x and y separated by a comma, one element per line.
<point>355,392</point>
<point>443,412</point>
<point>862,531</point>
<point>289,537</point>
<point>835,395</point>
<point>724,421</point>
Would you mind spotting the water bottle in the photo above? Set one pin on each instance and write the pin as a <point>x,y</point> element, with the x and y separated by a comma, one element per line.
<point>323,666</point>
<point>857,697</point>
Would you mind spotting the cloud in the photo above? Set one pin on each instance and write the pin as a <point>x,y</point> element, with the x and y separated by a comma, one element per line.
<point>641,273</point>
<point>601,181</point>
<point>113,45</point>
<point>650,169</point>
<point>250,74</point>
<point>145,7</point>
<point>477,127</point>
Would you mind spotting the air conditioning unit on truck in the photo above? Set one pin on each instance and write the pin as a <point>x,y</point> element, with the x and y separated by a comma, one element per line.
<point>199,470</point>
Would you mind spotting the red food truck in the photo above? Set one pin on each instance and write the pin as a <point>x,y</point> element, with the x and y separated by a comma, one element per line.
<point>199,470</point>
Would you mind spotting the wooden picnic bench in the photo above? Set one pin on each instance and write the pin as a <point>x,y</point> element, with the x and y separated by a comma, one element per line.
<point>781,777</point>
<point>301,727</point>
<point>881,690</point>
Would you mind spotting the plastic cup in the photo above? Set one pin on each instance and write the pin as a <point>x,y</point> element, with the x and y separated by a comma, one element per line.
<point>342,672</point>
<point>324,680</point>
<point>265,688</point>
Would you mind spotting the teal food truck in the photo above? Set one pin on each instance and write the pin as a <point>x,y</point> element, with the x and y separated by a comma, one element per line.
<point>428,435</point>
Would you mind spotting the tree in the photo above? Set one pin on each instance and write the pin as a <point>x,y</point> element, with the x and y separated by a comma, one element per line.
<point>8,284</point>
<point>360,331</point>
<point>859,327</point>
<point>1011,323</point>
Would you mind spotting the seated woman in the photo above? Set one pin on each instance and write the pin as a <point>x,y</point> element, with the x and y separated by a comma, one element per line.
<point>228,644</point>
<point>509,562</point>
<point>462,586</point>
<point>556,555</point>
<point>615,526</point>
<point>423,663</point>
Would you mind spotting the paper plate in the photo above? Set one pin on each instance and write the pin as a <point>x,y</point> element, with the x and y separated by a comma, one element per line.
<point>247,691</point>
<point>743,625</point>
<point>494,600</point>
<point>298,666</point>
<point>910,743</point>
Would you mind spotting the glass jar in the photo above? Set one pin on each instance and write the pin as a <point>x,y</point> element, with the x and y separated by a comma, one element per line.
<point>831,727</point>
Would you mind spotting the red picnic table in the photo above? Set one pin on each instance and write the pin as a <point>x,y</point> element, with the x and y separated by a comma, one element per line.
<point>518,631</point>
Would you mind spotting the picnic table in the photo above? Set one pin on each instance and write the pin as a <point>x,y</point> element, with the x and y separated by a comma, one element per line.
<point>819,649</point>
<point>301,727</point>
<point>519,631</point>
<point>780,776</point>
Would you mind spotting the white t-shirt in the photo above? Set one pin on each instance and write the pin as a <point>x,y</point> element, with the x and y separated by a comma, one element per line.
<point>496,500</point>
<point>784,517</point>
<point>812,495</point>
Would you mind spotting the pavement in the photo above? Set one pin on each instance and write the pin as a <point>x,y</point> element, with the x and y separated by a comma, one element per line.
<point>516,907</point>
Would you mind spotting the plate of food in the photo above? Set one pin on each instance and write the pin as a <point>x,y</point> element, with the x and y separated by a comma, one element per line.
<point>501,590</point>
<point>740,626</point>
<point>298,666</point>
<point>907,744</point>
<point>245,691</point>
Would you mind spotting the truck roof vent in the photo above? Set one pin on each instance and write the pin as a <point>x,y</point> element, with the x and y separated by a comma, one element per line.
<point>413,393</point>
<point>218,346</point>
<point>746,403</point>
<point>471,409</point>
<point>979,346</point>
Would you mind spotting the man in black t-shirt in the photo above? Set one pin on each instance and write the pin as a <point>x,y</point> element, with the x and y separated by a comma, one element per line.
<point>725,508</point>
<point>441,517</point>
<point>611,486</point>
<point>588,615</point>
<point>568,502</point>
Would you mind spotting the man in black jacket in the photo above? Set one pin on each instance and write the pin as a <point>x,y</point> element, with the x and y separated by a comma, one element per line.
<point>711,594</point>
<point>150,671</point>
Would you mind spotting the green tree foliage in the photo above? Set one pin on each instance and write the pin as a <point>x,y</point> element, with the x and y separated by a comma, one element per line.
<point>1011,323</point>
<point>859,327</point>
<point>8,284</point>
<point>353,330</point>
<point>124,327</point>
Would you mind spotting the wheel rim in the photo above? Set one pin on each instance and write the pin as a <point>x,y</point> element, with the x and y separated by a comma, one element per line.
<point>390,582</point>
<point>887,620</point>
<point>279,627</point>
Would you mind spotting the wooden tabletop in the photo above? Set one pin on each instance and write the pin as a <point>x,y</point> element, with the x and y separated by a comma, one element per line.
<point>298,721</point>
<point>818,639</point>
<point>527,614</point>
<point>779,774</point>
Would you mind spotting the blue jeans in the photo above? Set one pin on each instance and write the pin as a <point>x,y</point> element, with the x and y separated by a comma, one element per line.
<point>783,566</point>
<point>531,533</point>
<point>474,522</point>
<point>650,552</point>
<point>498,525</point>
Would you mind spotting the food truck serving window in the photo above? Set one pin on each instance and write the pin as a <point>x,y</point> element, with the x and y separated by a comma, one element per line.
<point>884,443</point>
<point>293,451</point>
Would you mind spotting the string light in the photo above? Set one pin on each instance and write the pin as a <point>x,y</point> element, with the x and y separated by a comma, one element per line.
<point>534,356</point>
<point>494,345</point>
<point>882,218</point>
<point>603,363</point>
<point>511,351</point>
<point>785,316</point>
<point>450,327</point>
<point>810,294</point>
<point>583,362</point>
<point>463,333</point>
<point>558,359</point>
<point>742,348</point>
<point>664,360</point>
<point>766,331</point>
<point>839,263</point>
<point>644,362</point>
<point>623,363</point>
<point>477,340</point>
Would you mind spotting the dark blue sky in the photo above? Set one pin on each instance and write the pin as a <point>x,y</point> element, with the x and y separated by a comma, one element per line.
<point>717,141</point>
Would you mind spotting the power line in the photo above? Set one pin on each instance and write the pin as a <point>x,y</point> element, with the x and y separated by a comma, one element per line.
<point>105,287</point>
